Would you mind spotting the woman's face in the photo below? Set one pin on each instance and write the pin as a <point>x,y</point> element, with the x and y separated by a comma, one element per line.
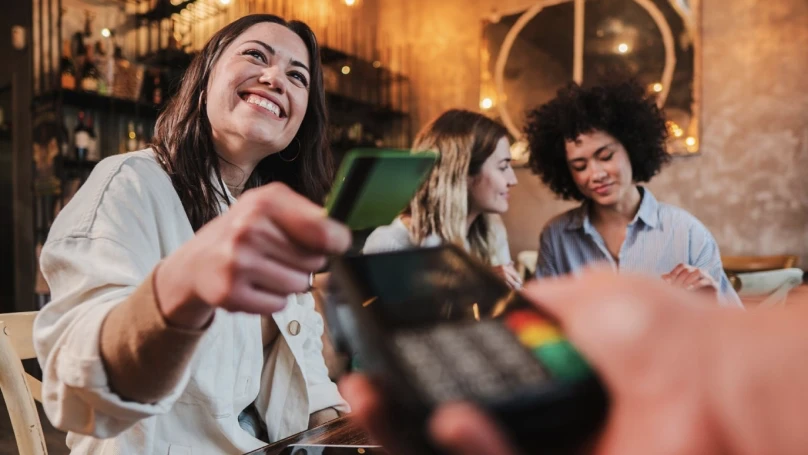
<point>258,92</point>
<point>489,189</point>
<point>600,167</point>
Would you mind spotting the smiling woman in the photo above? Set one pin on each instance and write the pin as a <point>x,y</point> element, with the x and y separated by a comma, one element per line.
<point>257,61</point>
<point>181,317</point>
<point>595,145</point>
<point>464,194</point>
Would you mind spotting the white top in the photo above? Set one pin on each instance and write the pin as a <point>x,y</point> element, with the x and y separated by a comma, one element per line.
<point>104,243</point>
<point>396,236</point>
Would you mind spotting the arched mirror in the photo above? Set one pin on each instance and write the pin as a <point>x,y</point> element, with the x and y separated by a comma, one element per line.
<point>528,55</point>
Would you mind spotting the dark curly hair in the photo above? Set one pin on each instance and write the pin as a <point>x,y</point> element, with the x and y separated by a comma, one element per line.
<point>620,109</point>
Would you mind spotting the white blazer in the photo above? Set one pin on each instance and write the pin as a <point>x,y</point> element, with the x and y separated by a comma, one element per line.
<point>104,243</point>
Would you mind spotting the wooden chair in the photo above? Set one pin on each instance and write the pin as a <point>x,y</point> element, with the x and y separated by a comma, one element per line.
<point>18,387</point>
<point>744,264</point>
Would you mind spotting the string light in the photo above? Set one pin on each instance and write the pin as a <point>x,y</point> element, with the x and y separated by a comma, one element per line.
<point>377,64</point>
<point>350,2</point>
<point>657,87</point>
<point>346,69</point>
<point>690,141</point>
<point>487,103</point>
<point>224,2</point>
<point>106,33</point>
<point>622,48</point>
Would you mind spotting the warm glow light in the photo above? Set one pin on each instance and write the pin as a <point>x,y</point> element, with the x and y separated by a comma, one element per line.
<point>691,141</point>
<point>105,32</point>
<point>487,103</point>
<point>132,135</point>
<point>346,69</point>
<point>622,48</point>
<point>657,87</point>
<point>377,64</point>
<point>675,129</point>
<point>350,2</point>
<point>224,2</point>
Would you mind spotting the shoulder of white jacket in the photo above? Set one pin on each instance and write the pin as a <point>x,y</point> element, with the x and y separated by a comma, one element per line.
<point>135,177</point>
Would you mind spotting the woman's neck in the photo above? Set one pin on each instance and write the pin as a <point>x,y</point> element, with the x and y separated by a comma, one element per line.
<point>622,212</point>
<point>235,176</point>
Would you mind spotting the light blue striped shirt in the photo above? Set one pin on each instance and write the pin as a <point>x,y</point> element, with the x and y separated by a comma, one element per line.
<point>659,238</point>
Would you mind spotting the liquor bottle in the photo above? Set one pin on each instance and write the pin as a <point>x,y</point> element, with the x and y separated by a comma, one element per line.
<point>90,75</point>
<point>79,52</point>
<point>102,62</point>
<point>81,138</point>
<point>93,152</point>
<point>64,140</point>
<point>68,69</point>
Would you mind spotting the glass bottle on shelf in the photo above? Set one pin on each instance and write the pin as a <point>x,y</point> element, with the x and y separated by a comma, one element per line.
<point>93,152</point>
<point>101,62</point>
<point>67,68</point>
<point>90,75</point>
<point>64,140</point>
<point>81,138</point>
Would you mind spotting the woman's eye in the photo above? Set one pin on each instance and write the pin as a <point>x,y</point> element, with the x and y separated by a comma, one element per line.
<point>299,76</point>
<point>579,168</point>
<point>607,157</point>
<point>256,54</point>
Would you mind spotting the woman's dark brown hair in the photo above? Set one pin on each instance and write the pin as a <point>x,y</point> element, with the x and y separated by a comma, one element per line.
<point>183,143</point>
<point>464,141</point>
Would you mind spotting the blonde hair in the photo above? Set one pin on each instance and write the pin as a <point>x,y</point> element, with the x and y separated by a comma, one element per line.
<point>463,140</point>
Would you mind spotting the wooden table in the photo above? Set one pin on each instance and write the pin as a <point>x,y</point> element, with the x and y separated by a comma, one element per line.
<point>798,295</point>
<point>341,431</point>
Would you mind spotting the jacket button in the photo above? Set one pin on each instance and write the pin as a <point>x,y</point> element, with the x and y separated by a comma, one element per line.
<point>294,328</point>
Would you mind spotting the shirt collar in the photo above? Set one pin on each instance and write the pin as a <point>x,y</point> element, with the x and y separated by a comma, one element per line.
<point>648,213</point>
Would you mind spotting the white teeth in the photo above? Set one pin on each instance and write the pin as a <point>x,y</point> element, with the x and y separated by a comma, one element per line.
<point>265,103</point>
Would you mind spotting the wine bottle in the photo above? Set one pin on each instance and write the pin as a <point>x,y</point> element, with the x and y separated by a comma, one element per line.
<point>68,70</point>
<point>102,63</point>
<point>81,138</point>
<point>90,75</point>
<point>93,152</point>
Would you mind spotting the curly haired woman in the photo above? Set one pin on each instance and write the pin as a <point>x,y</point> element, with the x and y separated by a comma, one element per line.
<point>595,145</point>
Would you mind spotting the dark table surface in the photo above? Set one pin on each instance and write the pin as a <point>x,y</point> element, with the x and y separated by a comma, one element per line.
<point>340,431</point>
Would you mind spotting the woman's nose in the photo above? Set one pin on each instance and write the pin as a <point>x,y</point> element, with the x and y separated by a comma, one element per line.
<point>272,76</point>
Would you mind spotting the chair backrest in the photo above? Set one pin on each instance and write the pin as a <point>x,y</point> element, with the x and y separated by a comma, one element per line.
<point>743,264</point>
<point>526,263</point>
<point>773,284</point>
<point>18,387</point>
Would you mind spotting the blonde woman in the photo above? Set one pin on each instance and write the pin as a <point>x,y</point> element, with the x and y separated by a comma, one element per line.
<point>463,196</point>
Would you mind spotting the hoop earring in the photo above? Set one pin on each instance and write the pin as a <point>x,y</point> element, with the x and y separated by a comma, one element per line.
<point>296,155</point>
